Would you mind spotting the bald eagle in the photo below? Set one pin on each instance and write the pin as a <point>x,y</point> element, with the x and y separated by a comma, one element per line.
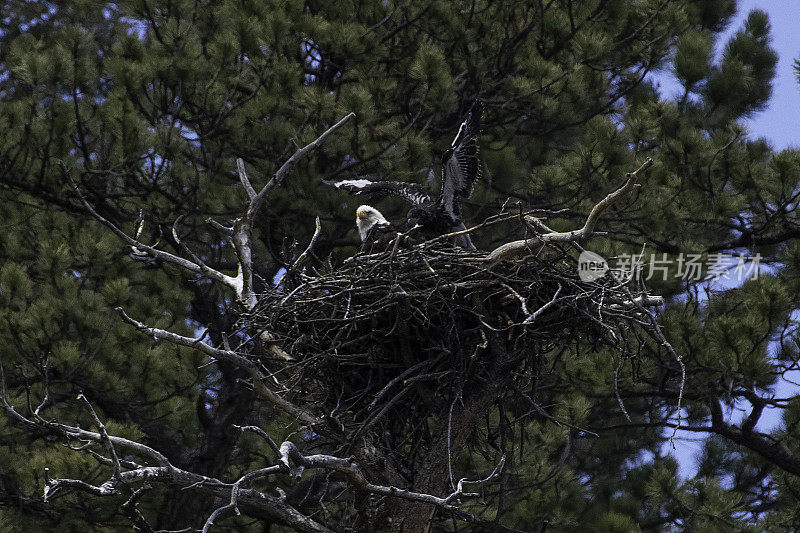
<point>373,228</point>
<point>460,170</point>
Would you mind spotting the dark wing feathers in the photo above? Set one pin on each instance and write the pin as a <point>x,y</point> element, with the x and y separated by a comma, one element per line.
<point>460,165</point>
<point>460,170</point>
<point>409,191</point>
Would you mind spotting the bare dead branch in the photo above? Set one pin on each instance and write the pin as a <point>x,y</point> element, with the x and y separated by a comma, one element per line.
<point>263,434</point>
<point>196,343</point>
<point>166,474</point>
<point>459,492</point>
<point>291,455</point>
<point>204,269</point>
<point>243,228</point>
<point>104,435</point>
<point>644,300</point>
<point>151,251</point>
<point>228,356</point>
<point>131,509</point>
<point>536,314</point>
<point>280,175</point>
<point>70,432</point>
<point>233,506</point>
<point>227,230</point>
<point>516,247</point>
<point>304,256</point>
<point>251,192</point>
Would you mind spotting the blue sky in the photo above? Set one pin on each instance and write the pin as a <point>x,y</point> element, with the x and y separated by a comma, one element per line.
<point>780,124</point>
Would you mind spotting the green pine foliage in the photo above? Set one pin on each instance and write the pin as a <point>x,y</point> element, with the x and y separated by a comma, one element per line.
<point>148,103</point>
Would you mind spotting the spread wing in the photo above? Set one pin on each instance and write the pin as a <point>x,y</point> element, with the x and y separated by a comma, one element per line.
<point>410,192</point>
<point>460,165</point>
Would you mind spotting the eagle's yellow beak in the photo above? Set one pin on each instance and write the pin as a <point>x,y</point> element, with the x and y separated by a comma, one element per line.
<point>362,214</point>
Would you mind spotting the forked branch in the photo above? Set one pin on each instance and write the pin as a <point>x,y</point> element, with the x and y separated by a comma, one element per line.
<point>145,249</point>
<point>243,228</point>
<point>126,473</point>
<point>229,356</point>
<point>511,249</point>
<point>257,200</point>
<point>242,283</point>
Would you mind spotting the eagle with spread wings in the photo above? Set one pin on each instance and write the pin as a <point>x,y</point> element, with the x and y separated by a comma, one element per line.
<point>435,217</point>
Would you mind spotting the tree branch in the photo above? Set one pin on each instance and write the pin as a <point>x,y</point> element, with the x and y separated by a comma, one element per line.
<point>228,356</point>
<point>290,454</point>
<point>275,507</point>
<point>511,249</point>
<point>243,228</point>
<point>251,192</point>
<point>151,251</point>
<point>304,256</point>
<point>104,434</point>
<point>280,175</point>
<point>775,452</point>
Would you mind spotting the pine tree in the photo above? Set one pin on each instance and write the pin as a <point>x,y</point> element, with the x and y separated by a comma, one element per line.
<point>147,104</point>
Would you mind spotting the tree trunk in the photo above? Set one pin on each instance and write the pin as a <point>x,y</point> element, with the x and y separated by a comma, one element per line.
<point>456,425</point>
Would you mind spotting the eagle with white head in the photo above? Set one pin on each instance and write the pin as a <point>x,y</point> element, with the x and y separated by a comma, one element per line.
<point>367,218</point>
<point>460,170</point>
<point>373,228</point>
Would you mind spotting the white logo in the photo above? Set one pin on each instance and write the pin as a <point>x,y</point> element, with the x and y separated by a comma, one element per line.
<point>591,266</point>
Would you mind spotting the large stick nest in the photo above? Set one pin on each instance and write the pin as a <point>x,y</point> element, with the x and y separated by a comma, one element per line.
<point>391,336</point>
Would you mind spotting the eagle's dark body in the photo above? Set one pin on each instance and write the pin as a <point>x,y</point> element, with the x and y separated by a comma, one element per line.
<point>379,238</point>
<point>434,221</point>
<point>460,170</point>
